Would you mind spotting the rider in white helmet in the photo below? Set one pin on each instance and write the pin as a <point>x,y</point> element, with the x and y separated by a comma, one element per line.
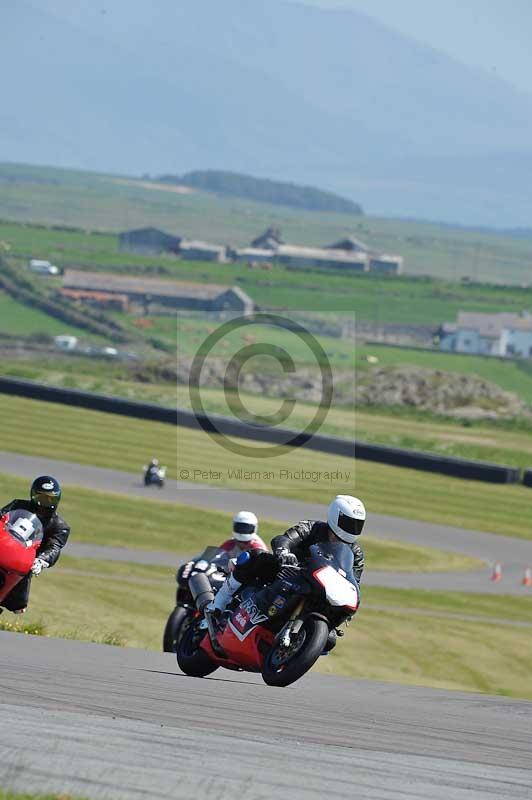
<point>346,516</point>
<point>245,535</point>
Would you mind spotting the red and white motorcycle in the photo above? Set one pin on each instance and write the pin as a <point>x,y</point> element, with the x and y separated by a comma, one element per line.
<point>279,630</point>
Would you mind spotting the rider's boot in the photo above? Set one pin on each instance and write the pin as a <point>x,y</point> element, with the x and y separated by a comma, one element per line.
<point>225,594</point>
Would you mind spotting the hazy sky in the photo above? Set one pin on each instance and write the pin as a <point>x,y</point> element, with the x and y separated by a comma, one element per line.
<point>492,34</point>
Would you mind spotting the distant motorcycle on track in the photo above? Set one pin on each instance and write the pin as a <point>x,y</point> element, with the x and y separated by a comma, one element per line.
<point>154,476</point>
<point>279,630</point>
<point>21,534</point>
<point>213,563</point>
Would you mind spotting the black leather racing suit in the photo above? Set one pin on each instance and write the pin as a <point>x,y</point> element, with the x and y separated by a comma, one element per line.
<point>297,540</point>
<point>56,533</point>
<point>300,537</point>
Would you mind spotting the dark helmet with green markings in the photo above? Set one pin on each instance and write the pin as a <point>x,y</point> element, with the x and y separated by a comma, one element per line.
<point>46,493</point>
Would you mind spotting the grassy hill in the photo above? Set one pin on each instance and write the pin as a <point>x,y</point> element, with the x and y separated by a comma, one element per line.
<point>93,201</point>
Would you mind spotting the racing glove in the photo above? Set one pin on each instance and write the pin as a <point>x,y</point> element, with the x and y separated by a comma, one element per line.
<point>285,557</point>
<point>38,565</point>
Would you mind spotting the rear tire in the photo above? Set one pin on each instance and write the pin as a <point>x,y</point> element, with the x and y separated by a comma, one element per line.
<point>281,671</point>
<point>191,659</point>
<point>175,628</point>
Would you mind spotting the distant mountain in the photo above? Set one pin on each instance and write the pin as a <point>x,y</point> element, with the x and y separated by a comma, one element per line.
<point>262,190</point>
<point>274,89</point>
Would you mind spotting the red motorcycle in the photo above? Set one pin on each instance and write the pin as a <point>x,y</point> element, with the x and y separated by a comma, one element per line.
<point>21,534</point>
<point>278,630</point>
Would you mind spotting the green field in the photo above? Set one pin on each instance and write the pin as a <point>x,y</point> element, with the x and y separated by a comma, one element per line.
<point>102,202</point>
<point>91,437</point>
<point>406,299</point>
<point>17,319</point>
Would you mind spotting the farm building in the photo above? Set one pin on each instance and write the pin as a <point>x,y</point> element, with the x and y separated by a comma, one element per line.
<point>386,265</point>
<point>252,255</point>
<point>148,241</point>
<point>109,300</point>
<point>298,256</point>
<point>351,244</point>
<point>201,251</point>
<point>349,253</point>
<point>503,334</point>
<point>151,293</point>
<point>269,240</point>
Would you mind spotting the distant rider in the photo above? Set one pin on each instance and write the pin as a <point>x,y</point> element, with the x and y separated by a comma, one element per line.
<point>346,516</point>
<point>45,496</point>
<point>245,535</point>
<point>152,471</point>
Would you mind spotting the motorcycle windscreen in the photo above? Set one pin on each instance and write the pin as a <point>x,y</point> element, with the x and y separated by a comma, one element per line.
<point>214,555</point>
<point>338,554</point>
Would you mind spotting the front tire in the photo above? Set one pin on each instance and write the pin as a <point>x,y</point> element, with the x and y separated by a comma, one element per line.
<point>283,666</point>
<point>191,659</point>
<point>174,629</point>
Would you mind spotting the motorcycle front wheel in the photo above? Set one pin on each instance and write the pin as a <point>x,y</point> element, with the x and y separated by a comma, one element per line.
<point>191,659</point>
<point>284,665</point>
<point>175,628</point>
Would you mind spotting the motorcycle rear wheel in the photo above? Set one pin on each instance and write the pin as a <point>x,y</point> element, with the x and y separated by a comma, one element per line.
<point>191,659</point>
<point>282,669</point>
<point>174,629</point>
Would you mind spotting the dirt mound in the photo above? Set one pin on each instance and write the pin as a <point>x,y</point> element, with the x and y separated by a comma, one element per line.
<point>464,396</point>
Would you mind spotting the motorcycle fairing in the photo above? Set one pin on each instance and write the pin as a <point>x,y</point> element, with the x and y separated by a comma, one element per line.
<point>15,556</point>
<point>247,654</point>
<point>16,559</point>
<point>244,640</point>
<point>338,590</point>
<point>247,616</point>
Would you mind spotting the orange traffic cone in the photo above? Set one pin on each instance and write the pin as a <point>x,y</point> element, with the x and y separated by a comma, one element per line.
<point>527,578</point>
<point>496,575</point>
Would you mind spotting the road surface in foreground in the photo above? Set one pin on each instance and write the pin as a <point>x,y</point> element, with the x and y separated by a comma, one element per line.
<point>116,723</point>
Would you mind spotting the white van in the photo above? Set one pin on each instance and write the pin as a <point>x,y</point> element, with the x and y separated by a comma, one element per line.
<point>43,267</point>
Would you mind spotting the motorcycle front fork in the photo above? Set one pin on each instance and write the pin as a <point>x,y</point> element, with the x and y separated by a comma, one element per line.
<point>293,626</point>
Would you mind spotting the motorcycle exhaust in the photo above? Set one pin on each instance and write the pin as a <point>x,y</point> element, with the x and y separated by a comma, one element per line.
<point>201,590</point>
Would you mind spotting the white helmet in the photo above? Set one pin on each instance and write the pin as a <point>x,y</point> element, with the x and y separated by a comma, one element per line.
<point>245,526</point>
<point>346,516</point>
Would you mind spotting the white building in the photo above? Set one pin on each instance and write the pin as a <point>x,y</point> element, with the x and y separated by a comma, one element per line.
<point>504,334</point>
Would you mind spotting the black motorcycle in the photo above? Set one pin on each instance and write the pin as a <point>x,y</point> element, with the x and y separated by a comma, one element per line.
<point>281,629</point>
<point>154,476</point>
<point>213,563</point>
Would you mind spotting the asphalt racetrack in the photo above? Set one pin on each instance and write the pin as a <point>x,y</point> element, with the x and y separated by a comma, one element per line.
<point>514,554</point>
<point>117,723</point>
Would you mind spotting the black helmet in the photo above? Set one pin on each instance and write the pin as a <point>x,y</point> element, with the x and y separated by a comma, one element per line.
<point>46,493</point>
